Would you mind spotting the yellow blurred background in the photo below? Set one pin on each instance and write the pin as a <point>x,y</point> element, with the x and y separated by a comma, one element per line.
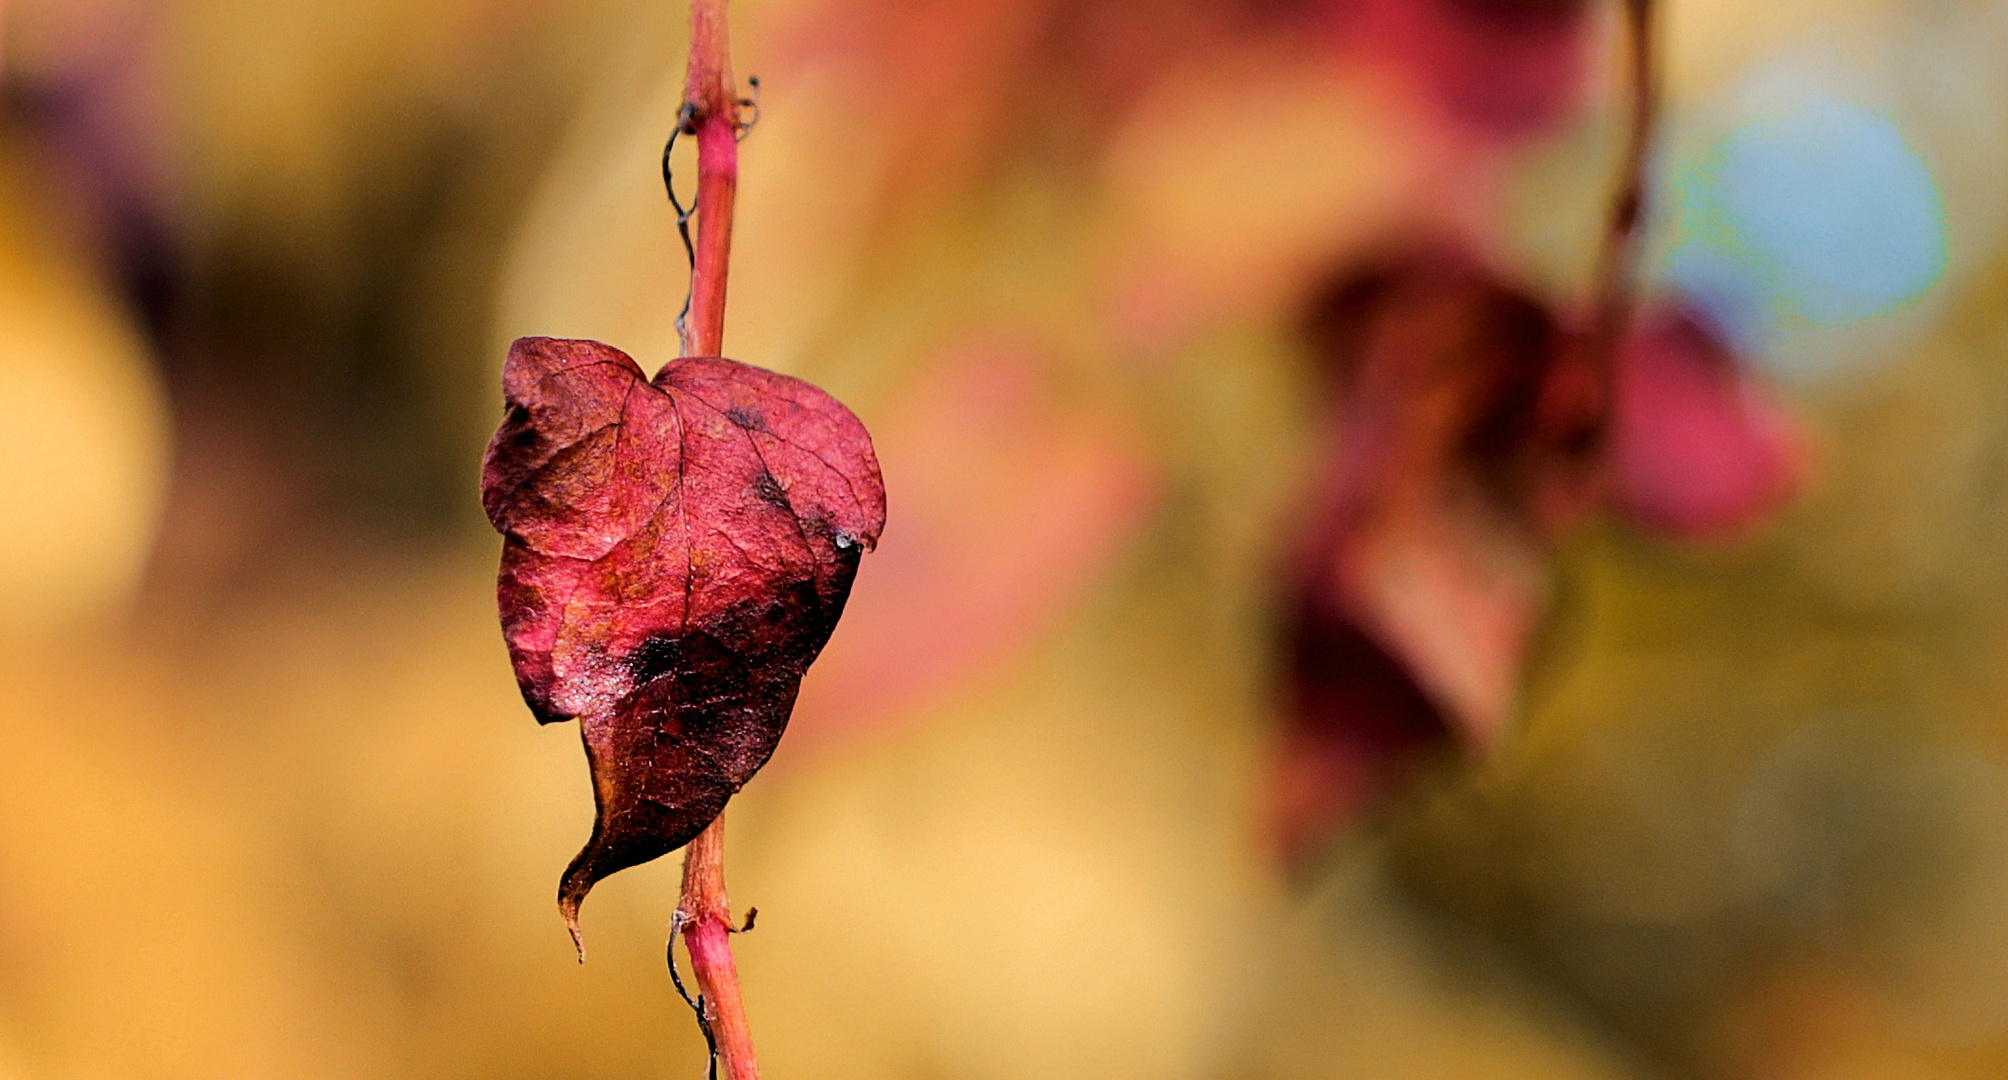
<point>271,807</point>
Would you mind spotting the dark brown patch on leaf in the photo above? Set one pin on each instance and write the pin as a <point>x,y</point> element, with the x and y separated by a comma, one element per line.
<point>675,554</point>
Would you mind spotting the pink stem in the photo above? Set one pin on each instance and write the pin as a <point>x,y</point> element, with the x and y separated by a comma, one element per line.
<point>706,921</point>
<point>703,914</point>
<point>708,90</point>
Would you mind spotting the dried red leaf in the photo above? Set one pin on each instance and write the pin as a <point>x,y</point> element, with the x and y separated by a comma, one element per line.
<point>676,551</point>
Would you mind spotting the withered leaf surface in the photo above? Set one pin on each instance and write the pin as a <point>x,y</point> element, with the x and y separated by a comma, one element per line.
<point>675,553</point>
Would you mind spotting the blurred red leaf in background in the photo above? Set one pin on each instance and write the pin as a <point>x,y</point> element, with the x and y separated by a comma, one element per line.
<point>1464,437</point>
<point>1698,449</point>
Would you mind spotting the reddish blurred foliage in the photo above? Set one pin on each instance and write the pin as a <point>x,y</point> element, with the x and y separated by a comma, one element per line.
<point>1697,449</point>
<point>676,553</point>
<point>960,91</point>
<point>1498,68</point>
<point>1467,429</point>
<point>1418,572</point>
<point>1013,499</point>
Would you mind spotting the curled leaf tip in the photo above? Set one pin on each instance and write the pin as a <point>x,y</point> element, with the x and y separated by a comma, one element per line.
<point>568,909</point>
